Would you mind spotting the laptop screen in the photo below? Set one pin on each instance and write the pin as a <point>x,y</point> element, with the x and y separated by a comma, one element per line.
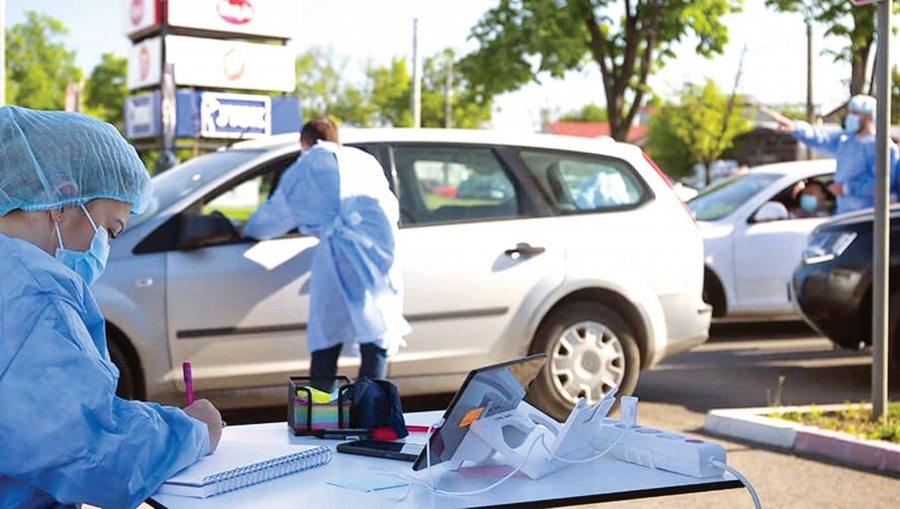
<point>486,392</point>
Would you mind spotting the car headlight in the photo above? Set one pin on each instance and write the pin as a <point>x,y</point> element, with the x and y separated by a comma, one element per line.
<point>827,246</point>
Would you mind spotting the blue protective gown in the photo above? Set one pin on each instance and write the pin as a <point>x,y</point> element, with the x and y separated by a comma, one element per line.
<point>66,438</point>
<point>341,196</point>
<point>855,164</point>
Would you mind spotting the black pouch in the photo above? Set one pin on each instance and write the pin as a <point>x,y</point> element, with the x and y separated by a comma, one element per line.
<point>376,404</point>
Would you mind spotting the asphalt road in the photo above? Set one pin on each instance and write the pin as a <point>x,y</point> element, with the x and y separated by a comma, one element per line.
<point>740,367</point>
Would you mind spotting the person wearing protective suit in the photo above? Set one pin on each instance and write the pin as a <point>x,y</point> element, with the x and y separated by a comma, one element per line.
<point>341,196</point>
<point>854,150</point>
<point>67,185</point>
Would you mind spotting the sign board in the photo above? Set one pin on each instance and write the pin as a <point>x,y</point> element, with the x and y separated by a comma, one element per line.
<point>275,19</point>
<point>142,116</point>
<point>145,64</point>
<point>216,63</point>
<point>864,2</point>
<point>235,116</point>
<point>141,16</point>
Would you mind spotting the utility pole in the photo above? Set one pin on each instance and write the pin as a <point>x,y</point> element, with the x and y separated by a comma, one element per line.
<point>880,328</point>
<point>2,52</point>
<point>448,95</point>
<point>810,113</point>
<point>417,78</point>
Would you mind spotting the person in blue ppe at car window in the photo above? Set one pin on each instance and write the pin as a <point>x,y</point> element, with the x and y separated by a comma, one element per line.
<point>340,195</point>
<point>854,150</point>
<point>67,185</point>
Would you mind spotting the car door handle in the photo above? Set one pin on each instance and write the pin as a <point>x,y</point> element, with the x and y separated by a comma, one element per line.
<point>524,249</point>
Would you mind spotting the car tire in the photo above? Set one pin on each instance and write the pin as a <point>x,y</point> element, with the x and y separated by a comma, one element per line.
<point>126,388</point>
<point>584,368</point>
<point>714,294</point>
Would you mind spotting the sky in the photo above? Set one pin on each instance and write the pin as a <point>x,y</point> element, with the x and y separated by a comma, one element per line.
<point>774,68</point>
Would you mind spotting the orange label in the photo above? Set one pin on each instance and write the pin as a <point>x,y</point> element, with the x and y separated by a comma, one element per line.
<point>471,417</point>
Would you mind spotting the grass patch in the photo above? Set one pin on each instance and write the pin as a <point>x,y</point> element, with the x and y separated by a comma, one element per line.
<point>854,419</point>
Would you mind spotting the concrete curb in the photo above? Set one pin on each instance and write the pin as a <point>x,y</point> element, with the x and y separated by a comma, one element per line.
<point>751,424</point>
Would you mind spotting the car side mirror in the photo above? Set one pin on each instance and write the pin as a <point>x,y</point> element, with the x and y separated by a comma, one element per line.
<point>771,211</point>
<point>204,231</point>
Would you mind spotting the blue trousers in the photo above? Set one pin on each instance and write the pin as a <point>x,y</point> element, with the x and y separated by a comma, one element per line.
<point>323,366</point>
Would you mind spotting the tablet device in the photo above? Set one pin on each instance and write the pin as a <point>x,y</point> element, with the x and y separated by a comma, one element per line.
<point>487,392</point>
<point>383,449</point>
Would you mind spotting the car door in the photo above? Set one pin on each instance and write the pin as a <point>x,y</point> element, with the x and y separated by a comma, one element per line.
<point>237,309</point>
<point>767,252</point>
<point>471,261</point>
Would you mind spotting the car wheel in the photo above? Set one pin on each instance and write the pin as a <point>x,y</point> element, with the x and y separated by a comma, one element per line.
<point>590,348</point>
<point>714,294</point>
<point>126,387</point>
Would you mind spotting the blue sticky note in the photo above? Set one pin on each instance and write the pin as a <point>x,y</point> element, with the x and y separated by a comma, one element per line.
<point>368,483</point>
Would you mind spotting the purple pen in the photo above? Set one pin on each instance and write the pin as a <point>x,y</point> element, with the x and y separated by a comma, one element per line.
<point>188,382</point>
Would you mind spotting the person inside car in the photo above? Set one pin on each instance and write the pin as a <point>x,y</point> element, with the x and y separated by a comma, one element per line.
<point>813,200</point>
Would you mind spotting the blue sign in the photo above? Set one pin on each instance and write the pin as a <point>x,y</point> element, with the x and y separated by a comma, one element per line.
<point>214,115</point>
<point>235,116</point>
<point>142,116</point>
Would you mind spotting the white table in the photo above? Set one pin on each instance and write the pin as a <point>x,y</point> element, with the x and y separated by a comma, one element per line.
<point>598,481</point>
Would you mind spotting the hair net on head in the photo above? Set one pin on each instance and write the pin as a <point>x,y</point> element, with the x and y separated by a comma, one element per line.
<point>864,104</point>
<point>55,159</point>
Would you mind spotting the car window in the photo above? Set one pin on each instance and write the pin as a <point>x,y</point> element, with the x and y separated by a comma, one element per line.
<point>241,200</point>
<point>184,179</point>
<point>579,183</point>
<point>440,184</point>
<point>723,198</point>
<point>820,202</point>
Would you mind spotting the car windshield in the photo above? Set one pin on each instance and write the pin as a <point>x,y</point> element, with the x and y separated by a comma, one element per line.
<point>184,179</point>
<point>723,198</point>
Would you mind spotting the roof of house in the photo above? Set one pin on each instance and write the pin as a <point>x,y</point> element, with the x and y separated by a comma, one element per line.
<point>594,130</point>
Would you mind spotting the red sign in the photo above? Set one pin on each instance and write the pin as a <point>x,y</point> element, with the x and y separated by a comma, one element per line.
<point>863,2</point>
<point>236,12</point>
<point>144,63</point>
<point>137,11</point>
<point>233,64</point>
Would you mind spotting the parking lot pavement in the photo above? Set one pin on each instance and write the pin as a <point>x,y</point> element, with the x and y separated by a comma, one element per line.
<point>737,368</point>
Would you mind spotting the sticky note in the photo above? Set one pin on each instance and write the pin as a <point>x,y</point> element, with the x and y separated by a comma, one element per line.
<point>470,417</point>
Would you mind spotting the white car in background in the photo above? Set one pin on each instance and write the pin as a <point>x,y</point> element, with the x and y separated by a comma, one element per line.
<point>604,289</point>
<point>752,238</point>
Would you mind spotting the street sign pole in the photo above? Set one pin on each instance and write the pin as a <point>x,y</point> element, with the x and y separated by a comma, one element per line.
<point>880,302</point>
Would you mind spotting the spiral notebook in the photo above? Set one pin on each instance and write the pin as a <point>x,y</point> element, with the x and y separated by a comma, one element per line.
<point>237,465</point>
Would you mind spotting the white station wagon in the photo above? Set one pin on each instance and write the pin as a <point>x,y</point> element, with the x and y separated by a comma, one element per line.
<point>512,244</point>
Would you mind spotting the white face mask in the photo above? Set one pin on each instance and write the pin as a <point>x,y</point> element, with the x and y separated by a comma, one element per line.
<point>852,123</point>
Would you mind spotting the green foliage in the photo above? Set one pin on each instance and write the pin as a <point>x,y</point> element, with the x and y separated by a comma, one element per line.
<point>697,130</point>
<point>852,419</point>
<point>38,65</point>
<point>385,96</point>
<point>106,90</point>
<point>587,113</point>
<point>519,40</point>
<point>843,20</point>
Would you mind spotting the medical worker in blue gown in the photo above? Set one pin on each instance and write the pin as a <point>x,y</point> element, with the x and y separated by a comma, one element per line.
<point>67,185</point>
<point>341,196</point>
<point>854,151</point>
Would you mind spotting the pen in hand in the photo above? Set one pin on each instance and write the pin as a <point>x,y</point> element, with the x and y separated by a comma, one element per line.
<point>189,385</point>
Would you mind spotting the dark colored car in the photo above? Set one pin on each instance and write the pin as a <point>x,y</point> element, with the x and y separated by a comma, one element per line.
<point>485,187</point>
<point>832,287</point>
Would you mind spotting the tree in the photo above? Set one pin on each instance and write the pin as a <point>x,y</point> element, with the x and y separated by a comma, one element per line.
<point>895,96</point>
<point>519,40</point>
<point>39,66</point>
<point>391,94</point>
<point>469,107</point>
<point>324,92</point>
<point>105,91</point>
<point>841,19</point>
<point>588,113</point>
<point>698,129</point>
